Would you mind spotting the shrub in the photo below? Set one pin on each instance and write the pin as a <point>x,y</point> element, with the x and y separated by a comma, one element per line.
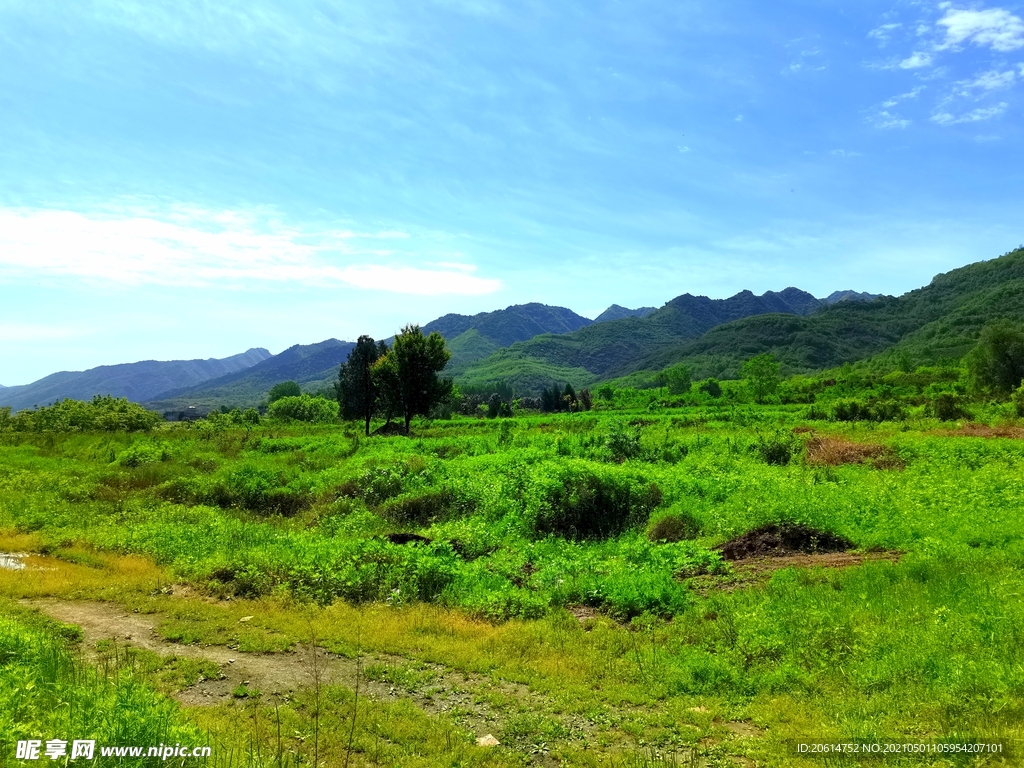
<point>426,508</point>
<point>1018,400</point>
<point>947,407</point>
<point>305,408</point>
<point>777,449</point>
<point>582,502</point>
<point>623,442</point>
<point>674,526</point>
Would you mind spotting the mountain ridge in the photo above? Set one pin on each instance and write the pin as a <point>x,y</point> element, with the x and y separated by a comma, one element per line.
<point>138,381</point>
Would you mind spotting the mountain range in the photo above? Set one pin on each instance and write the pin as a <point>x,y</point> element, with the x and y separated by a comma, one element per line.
<point>528,345</point>
<point>137,381</point>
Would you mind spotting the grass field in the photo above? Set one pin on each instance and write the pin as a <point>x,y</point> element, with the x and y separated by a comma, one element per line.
<point>565,595</point>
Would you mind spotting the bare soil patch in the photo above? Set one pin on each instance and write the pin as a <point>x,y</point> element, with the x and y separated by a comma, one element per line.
<point>781,540</point>
<point>834,451</point>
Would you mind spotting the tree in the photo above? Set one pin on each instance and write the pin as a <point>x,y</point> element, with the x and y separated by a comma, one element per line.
<point>283,389</point>
<point>357,391</point>
<point>996,365</point>
<point>304,408</point>
<point>762,375</point>
<point>412,366</point>
<point>678,379</point>
<point>711,388</point>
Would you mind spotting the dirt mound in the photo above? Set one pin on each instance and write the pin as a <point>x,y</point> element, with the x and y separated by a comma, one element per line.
<point>783,540</point>
<point>833,451</point>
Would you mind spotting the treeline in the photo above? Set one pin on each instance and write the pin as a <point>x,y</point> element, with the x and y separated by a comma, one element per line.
<point>102,414</point>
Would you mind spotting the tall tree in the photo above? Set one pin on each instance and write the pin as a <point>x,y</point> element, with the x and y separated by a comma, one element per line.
<point>996,365</point>
<point>283,389</point>
<point>762,375</point>
<point>416,361</point>
<point>357,390</point>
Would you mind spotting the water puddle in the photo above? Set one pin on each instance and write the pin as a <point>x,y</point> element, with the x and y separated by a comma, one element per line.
<point>12,561</point>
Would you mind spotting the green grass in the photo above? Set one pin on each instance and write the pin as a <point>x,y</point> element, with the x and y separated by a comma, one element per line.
<point>530,516</point>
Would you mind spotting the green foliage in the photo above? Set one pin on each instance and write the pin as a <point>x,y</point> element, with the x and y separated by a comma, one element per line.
<point>407,375</point>
<point>590,501</point>
<point>762,376</point>
<point>623,441</point>
<point>777,448</point>
<point>678,379</point>
<point>103,413</point>
<point>316,410</point>
<point>51,694</point>
<point>283,389</point>
<point>357,390</point>
<point>673,526</point>
<point>711,388</point>
<point>996,365</point>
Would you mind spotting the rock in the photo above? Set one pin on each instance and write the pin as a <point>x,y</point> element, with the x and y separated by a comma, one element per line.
<point>244,619</point>
<point>487,741</point>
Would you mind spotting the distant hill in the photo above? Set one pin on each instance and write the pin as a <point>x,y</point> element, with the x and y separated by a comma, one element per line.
<point>615,312</point>
<point>136,381</point>
<point>311,365</point>
<point>838,296</point>
<point>597,350</point>
<point>315,366</point>
<point>939,321</point>
<point>472,337</point>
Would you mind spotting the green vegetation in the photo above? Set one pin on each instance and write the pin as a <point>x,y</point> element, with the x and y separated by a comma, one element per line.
<point>283,389</point>
<point>475,544</point>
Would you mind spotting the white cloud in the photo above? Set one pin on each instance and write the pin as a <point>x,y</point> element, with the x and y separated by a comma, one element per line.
<point>885,119</point>
<point>987,81</point>
<point>186,246</point>
<point>844,153</point>
<point>916,60</point>
<point>884,32</point>
<point>974,116</point>
<point>994,27</point>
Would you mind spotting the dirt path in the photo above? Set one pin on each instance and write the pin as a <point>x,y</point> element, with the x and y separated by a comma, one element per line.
<point>463,697</point>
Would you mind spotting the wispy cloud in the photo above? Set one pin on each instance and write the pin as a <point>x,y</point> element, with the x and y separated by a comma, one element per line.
<point>974,116</point>
<point>884,32</point>
<point>987,81</point>
<point>916,60</point>
<point>186,246</point>
<point>994,27</point>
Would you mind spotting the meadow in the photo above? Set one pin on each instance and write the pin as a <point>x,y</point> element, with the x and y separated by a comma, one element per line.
<point>550,579</point>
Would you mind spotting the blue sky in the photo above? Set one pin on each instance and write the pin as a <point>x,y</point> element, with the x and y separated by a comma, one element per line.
<point>189,179</point>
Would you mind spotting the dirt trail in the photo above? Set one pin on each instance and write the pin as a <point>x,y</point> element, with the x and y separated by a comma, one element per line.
<point>279,674</point>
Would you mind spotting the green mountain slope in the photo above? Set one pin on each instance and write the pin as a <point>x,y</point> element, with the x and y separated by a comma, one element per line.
<point>307,364</point>
<point>598,350</point>
<point>940,320</point>
<point>136,381</point>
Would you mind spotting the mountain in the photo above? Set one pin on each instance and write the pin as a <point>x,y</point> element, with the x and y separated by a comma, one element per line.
<point>311,365</point>
<point>837,296</point>
<point>615,312</point>
<point>925,326</point>
<point>597,350</point>
<point>136,381</point>
<point>472,337</point>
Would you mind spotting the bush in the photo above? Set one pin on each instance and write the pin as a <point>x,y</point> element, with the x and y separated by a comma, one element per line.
<point>581,502</point>
<point>426,508</point>
<point>674,526</point>
<point>947,407</point>
<point>778,448</point>
<point>305,408</point>
<point>623,442</point>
